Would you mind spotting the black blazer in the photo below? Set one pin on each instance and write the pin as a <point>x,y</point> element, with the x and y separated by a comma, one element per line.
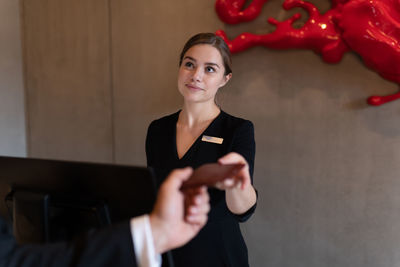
<point>112,246</point>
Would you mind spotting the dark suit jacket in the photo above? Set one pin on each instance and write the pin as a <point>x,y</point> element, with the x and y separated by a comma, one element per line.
<point>112,246</point>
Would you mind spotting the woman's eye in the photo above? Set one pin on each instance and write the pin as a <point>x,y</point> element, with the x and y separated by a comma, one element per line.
<point>210,69</point>
<point>189,65</point>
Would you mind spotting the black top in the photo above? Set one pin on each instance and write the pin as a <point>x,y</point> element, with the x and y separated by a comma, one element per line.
<point>220,242</point>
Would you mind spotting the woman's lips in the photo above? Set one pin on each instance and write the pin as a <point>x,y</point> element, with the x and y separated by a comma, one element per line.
<point>193,87</point>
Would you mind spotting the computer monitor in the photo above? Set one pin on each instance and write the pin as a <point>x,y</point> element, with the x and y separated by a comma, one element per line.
<point>52,200</point>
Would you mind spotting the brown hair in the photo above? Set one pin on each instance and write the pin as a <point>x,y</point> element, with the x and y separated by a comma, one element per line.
<point>213,40</point>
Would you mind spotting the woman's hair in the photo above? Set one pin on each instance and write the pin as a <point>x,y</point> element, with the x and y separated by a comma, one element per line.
<point>214,41</point>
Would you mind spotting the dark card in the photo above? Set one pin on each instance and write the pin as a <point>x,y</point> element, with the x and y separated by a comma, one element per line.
<point>211,173</point>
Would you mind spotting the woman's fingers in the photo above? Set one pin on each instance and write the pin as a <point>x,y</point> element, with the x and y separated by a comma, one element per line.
<point>232,158</point>
<point>242,178</point>
<point>227,183</point>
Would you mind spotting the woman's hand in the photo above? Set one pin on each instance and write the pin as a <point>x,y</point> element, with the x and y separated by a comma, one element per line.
<point>240,194</point>
<point>241,179</point>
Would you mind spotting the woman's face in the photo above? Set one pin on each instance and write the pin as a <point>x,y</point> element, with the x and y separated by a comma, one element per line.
<point>201,74</point>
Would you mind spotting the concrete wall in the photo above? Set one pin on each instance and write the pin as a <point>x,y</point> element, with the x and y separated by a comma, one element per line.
<point>327,164</point>
<point>12,112</point>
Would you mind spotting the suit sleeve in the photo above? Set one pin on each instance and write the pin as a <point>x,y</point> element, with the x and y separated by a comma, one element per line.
<point>244,144</point>
<point>108,247</point>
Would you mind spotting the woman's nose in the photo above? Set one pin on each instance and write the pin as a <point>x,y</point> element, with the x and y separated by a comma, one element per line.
<point>197,74</point>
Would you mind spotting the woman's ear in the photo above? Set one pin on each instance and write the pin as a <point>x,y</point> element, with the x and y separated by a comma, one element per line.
<point>226,79</point>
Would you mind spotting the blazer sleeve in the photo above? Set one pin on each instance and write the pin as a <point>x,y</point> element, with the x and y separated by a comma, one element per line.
<point>108,247</point>
<point>244,144</point>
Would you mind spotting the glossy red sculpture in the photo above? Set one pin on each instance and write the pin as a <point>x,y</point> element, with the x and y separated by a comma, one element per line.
<point>371,28</point>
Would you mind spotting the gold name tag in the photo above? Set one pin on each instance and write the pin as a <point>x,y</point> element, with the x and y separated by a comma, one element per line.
<point>212,139</point>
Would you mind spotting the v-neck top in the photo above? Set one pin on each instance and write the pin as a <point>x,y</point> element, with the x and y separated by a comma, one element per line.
<point>198,139</point>
<point>220,242</point>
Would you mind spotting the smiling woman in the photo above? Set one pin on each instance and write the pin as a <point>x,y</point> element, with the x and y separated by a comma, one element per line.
<point>202,133</point>
<point>201,74</point>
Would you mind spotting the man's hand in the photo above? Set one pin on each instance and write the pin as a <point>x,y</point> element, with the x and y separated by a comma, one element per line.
<point>178,216</point>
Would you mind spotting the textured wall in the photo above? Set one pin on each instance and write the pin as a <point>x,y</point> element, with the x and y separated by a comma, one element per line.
<point>327,164</point>
<point>12,113</point>
<point>68,79</point>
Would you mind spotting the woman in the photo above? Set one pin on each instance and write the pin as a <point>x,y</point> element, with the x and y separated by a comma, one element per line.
<point>202,133</point>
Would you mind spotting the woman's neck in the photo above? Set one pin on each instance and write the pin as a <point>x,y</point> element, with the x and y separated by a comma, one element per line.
<point>195,114</point>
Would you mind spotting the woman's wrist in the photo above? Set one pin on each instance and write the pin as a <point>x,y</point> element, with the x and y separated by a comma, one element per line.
<point>240,200</point>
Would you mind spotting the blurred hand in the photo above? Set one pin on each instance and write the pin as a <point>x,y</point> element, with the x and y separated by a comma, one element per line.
<point>178,216</point>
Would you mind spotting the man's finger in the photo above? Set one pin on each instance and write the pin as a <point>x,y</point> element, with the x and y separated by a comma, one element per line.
<point>178,176</point>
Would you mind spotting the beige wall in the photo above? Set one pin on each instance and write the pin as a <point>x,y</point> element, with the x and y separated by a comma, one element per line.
<point>68,79</point>
<point>327,164</point>
<point>12,114</point>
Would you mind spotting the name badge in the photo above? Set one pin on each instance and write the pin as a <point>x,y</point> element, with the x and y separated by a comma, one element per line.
<point>212,139</point>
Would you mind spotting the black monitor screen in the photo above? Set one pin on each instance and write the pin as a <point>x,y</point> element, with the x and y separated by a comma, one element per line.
<point>52,200</point>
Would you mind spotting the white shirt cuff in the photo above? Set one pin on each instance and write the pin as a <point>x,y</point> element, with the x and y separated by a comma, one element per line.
<point>143,242</point>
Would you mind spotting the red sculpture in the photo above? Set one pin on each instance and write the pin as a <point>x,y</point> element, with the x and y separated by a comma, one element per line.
<point>371,28</point>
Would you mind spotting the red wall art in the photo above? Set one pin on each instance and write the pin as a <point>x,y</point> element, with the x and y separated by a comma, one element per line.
<point>370,28</point>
